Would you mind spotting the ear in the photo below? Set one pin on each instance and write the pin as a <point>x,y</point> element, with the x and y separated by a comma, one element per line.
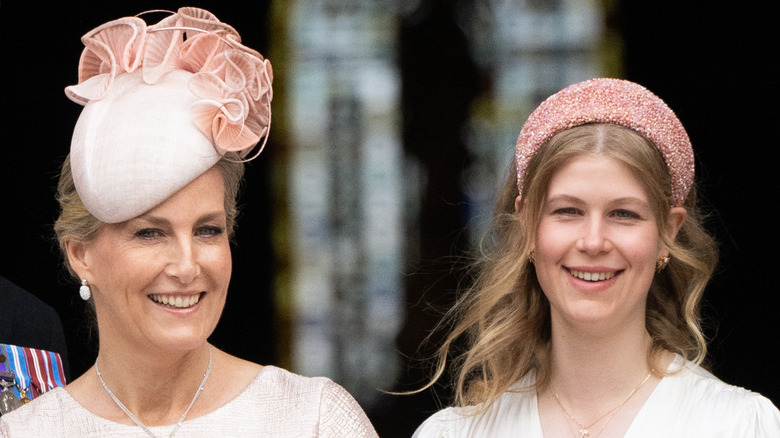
<point>517,204</point>
<point>77,257</point>
<point>677,216</point>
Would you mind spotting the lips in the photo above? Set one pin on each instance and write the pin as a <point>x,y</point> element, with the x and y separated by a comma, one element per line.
<point>591,276</point>
<point>177,301</point>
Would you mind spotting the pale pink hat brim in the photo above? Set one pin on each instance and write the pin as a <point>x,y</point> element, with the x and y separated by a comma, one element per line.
<point>137,146</point>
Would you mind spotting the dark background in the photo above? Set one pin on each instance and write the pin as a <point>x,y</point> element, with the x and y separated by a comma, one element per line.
<point>712,62</point>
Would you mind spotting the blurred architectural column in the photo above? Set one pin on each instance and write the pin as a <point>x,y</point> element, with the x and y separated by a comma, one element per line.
<point>340,287</point>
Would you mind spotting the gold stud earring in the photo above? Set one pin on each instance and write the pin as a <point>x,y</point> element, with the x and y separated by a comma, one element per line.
<point>661,263</point>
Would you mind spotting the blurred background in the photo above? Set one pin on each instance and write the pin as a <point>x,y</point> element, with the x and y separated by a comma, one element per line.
<point>393,123</point>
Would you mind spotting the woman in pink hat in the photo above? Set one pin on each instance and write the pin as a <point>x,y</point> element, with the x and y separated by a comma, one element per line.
<point>148,205</point>
<point>583,316</point>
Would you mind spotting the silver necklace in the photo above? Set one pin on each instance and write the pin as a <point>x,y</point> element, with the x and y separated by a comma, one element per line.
<point>136,420</point>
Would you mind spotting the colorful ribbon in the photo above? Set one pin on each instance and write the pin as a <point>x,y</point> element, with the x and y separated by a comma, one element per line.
<point>35,371</point>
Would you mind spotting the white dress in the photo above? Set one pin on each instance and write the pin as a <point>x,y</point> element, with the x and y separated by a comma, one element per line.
<point>276,403</point>
<point>691,403</point>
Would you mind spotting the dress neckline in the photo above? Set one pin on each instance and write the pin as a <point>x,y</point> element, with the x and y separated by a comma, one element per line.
<point>65,396</point>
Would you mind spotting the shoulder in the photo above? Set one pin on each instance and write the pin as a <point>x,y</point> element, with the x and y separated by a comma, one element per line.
<point>28,321</point>
<point>20,298</point>
<point>704,401</point>
<point>448,422</point>
<point>283,383</point>
<point>336,411</point>
<point>514,413</point>
<point>26,303</point>
<point>49,408</point>
<point>699,385</point>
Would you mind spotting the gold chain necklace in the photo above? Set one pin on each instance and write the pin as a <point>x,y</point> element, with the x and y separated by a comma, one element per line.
<point>585,429</point>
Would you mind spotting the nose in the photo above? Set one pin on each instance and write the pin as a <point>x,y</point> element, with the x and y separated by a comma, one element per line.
<point>594,239</point>
<point>183,264</point>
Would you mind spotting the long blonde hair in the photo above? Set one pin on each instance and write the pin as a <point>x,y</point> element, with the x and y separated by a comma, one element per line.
<point>504,316</point>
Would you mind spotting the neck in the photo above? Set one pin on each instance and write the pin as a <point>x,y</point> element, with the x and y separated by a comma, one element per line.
<point>600,377</point>
<point>156,387</point>
<point>592,366</point>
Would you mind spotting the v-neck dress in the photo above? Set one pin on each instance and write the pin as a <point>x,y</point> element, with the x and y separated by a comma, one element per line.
<point>690,403</point>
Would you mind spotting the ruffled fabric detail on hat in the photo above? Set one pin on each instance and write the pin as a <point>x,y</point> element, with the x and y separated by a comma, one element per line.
<point>233,81</point>
<point>112,49</point>
<point>237,88</point>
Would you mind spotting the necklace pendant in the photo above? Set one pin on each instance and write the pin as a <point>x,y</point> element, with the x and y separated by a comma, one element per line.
<point>584,433</point>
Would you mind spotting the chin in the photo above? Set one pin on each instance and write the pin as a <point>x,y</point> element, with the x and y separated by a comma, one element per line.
<point>182,340</point>
<point>590,314</point>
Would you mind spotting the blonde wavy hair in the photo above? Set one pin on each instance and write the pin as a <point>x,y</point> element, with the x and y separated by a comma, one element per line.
<point>504,316</point>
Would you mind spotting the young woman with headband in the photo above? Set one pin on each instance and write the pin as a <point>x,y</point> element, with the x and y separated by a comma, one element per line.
<point>583,316</point>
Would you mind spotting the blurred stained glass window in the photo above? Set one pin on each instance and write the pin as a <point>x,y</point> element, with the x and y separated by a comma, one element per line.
<point>340,288</point>
<point>349,192</point>
<point>527,50</point>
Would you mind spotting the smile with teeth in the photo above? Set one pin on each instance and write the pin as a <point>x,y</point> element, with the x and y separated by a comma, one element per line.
<point>178,301</point>
<point>591,276</point>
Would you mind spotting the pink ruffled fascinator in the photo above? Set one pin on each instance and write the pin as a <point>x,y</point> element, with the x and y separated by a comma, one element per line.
<point>162,104</point>
<point>618,102</point>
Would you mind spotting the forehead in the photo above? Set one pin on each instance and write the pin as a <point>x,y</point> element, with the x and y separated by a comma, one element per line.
<point>596,176</point>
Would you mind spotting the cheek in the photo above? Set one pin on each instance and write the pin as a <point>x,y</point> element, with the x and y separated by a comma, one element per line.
<point>551,242</point>
<point>109,265</point>
<point>550,246</point>
<point>644,247</point>
<point>219,263</point>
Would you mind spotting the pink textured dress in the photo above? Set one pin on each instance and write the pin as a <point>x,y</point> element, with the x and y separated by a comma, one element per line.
<point>277,403</point>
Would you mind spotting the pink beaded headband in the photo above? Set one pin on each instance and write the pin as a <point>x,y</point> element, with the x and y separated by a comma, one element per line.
<point>618,102</point>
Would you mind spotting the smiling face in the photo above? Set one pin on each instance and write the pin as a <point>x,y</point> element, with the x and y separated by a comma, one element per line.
<point>596,243</point>
<point>161,279</point>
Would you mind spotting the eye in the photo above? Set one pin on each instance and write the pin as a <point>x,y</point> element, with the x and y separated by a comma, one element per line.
<point>566,211</point>
<point>148,233</point>
<point>210,231</point>
<point>625,214</point>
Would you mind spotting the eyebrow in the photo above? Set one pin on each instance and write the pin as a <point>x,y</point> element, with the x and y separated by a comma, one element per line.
<point>563,197</point>
<point>617,201</point>
<point>160,221</point>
